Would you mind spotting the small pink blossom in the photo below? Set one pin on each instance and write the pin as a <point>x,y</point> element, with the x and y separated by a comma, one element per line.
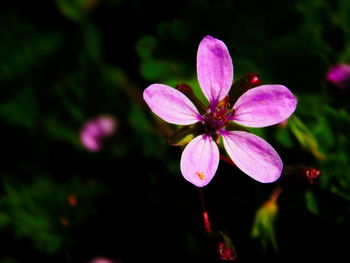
<point>96,131</point>
<point>261,106</point>
<point>102,260</point>
<point>339,75</point>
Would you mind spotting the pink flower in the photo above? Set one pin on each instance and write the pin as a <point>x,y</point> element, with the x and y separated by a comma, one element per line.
<point>339,75</point>
<point>102,260</point>
<point>95,131</point>
<point>258,107</point>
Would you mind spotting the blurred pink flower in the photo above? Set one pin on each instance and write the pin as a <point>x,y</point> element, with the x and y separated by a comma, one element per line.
<point>102,260</point>
<point>339,75</point>
<point>95,131</point>
<point>261,106</point>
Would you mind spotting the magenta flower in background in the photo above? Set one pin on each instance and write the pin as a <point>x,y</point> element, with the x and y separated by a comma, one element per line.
<point>95,131</point>
<point>258,107</point>
<point>102,260</point>
<point>339,75</point>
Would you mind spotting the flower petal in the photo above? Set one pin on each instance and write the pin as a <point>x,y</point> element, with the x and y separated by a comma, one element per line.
<point>253,155</point>
<point>264,106</point>
<point>171,105</point>
<point>200,160</point>
<point>214,69</point>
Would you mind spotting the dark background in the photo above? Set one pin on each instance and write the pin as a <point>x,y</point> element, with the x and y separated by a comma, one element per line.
<point>64,62</point>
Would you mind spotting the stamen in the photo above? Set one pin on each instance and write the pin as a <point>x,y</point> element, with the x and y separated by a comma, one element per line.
<point>218,117</point>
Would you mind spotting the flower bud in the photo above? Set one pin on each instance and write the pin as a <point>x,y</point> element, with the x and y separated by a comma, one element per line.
<point>263,227</point>
<point>224,249</point>
<point>248,81</point>
<point>298,177</point>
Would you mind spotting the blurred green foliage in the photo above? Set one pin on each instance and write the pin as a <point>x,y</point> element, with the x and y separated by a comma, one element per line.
<point>25,209</point>
<point>263,226</point>
<point>66,62</point>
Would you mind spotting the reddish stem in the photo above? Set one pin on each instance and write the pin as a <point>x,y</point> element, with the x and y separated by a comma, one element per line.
<point>205,214</point>
<point>275,194</point>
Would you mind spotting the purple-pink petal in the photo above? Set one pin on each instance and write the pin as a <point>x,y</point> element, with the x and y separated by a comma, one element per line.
<point>253,155</point>
<point>214,69</point>
<point>200,160</point>
<point>171,105</point>
<point>264,106</point>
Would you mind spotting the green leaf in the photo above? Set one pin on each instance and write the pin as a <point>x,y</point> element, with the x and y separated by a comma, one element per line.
<point>146,46</point>
<point>32,210</point>
<point>311,203</point>
<point>138,120</point>
<point>305,136</point>
<point>70,107</point>
<point>165,71</point>
<point>323,133</point>
<point>62,131</point>
<point>23,48</point>
<point>283,137</point>
<point>22,110</point>
<point>152,69</point>
<point>4,220</point>
<point>263,226</point>
<point>73,9</point>
<point>92,41</point>
<point>9,260</point>
<point>146,138</point>
<point>176,29</point>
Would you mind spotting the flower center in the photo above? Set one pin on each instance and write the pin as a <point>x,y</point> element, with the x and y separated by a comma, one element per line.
<point>216,119</point>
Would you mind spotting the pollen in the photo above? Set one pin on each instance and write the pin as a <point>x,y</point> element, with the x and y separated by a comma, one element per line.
<point>200,175</point>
